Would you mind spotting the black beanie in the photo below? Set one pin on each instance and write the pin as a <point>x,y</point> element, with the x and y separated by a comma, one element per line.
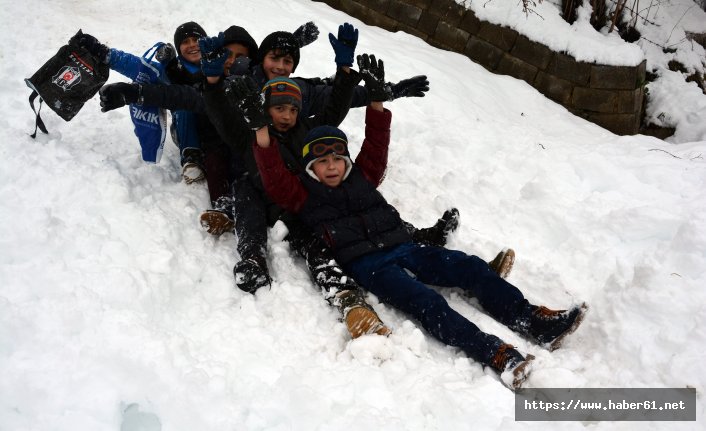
<point>236,34</point>
<point>188,29</point>
<point>284,41</point>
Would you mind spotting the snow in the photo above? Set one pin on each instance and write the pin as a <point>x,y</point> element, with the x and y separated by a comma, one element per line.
<point>117,311</point>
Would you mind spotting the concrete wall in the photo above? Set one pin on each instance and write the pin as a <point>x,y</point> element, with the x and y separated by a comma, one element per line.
<point>610,96</point>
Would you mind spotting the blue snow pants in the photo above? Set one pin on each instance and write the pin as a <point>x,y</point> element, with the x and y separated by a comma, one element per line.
<point>384,273</point>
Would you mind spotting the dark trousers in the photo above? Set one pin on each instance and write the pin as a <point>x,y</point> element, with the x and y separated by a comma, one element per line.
<point>219,173</point>
<point>384,273</point>
<point>338,288</point>
<point>250,218</point>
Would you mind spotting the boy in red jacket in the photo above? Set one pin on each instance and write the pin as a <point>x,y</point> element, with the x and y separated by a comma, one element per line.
<point>338,200</point>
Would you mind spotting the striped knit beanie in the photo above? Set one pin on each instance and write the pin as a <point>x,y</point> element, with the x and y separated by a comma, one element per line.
<point>283,91</point>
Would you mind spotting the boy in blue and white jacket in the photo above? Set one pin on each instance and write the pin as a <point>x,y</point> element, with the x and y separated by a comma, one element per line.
<point>180,67</point>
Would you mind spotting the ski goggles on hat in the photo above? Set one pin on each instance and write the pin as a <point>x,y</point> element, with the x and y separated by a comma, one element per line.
<point>323,146</point>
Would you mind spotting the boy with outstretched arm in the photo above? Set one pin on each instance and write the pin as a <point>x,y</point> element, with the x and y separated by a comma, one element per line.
<point>179,66</point>
<point>339,200</point>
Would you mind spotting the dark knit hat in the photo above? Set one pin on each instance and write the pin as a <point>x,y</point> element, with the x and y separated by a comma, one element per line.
<point>283,91</point>
<point>236,34</point>
<point>323,140</point>
<point>188,29</point>
<point>283,41</point>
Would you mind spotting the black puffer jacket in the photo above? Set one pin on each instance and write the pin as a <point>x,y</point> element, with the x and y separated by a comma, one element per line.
<point>353,219</point>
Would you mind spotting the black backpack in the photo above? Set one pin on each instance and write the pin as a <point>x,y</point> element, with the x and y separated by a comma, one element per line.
<point>67,81</point>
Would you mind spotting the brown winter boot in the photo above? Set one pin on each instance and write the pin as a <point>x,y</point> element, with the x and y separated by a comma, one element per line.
<point>361,321</point>
<point>511,365</point>
<point>549,327</point>
<point>216,222</point>
<point>502,264</point>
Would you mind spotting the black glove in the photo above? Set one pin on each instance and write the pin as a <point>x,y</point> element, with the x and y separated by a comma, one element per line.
<point>344,46</point>
<point>241,66</point>
<point>92,45</point>
<point>412,87</point>
<point>306,34</point>
<point>373,72</point>
<point>246,96</point>
<point>165,53</point>
<point>117,95</point>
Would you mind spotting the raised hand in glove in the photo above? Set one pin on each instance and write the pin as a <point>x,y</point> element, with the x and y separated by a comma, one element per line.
<point>246,96</point>
<point>209,45</point>
<point>117,95</point>
<point>241,66</point>
<point>92,45</point>
<point>306,34</point>
<point>373,72</point>
<point>213,55</point>
<point>344,46</point>
<point>412,87</point>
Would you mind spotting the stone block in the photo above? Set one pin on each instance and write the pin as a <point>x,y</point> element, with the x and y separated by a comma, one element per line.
<point>554,88</point>
<point>421,4</point>
<point>620,124</point>
<point>437,44</point>
<point>447,10</point>
<point>483,53</point>
<point>566,67</point>
<point>607,101</point>
<point>657,131</point>
<point>404,13</point>
<point>428,23</point>
<point>354,9</point>
<point>516,68</point>
<point>376,5</point>
<point>413,31</point>
<point>617,77</point>
<point>642,73</point>
<point>501,37</point>
<point>532,52</point>
<point>470,22</point>
<point>452,37</point>
<point>367,15</point>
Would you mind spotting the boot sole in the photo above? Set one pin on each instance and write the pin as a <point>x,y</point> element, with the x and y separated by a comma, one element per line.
<point>506,263</point>
<point>520,374</point>
<point>216,223</point>
<point>583,308</point>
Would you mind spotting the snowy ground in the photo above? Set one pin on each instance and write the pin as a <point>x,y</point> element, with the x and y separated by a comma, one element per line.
<point>117,312</point>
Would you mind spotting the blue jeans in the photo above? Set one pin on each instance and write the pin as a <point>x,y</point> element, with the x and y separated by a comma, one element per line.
<point>383,273</point>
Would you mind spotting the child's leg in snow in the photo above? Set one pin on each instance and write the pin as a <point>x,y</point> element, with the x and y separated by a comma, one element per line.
<point>450,268</point>
<point>394,286</point>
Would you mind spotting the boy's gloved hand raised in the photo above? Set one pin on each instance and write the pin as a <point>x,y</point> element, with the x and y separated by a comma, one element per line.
<point>92,45</point>
<point>306,34</point>
<point>373,72</point>
<point>412,87</point>
<point>344,46</point>
<point>245,94</point>
<point>213,55</point>
<point>114,96</point>
<point>241,66</point>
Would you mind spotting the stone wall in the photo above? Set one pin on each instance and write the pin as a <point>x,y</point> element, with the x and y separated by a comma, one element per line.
<point>610,96</point>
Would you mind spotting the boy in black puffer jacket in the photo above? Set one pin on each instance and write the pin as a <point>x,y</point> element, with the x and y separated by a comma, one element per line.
<point>338,200</point>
